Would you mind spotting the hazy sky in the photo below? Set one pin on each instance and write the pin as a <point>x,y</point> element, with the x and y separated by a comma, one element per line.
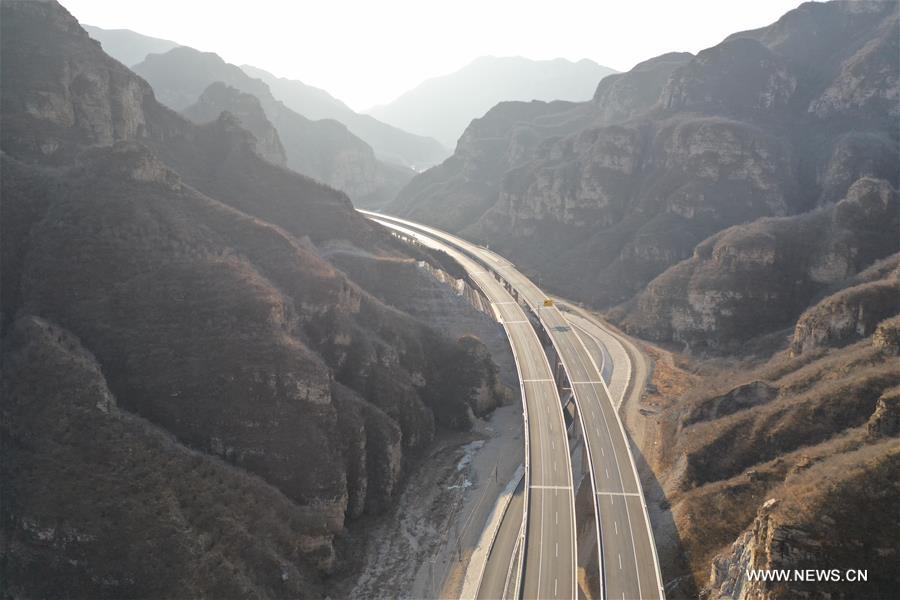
<point>369,52</point>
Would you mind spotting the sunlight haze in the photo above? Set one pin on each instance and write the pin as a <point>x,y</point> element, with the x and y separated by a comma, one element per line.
<point>368,53</point>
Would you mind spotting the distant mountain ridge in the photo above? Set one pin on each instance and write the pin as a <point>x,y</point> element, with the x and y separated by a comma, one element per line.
<point>127,46</point>
<point>442,107</point>
<point>324,149</point>
<point>389,143</point>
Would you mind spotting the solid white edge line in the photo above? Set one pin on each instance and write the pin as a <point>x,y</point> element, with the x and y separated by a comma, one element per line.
<point>637,479</point>
<point>461,244</point>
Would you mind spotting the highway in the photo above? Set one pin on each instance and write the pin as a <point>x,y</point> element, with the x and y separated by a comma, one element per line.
<point>548,564</point>
<point>629,565</point>
<point>499,577</point>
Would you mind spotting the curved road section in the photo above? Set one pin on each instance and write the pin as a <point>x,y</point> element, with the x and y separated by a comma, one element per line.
<point>628,559</point>
<point>548,564</point>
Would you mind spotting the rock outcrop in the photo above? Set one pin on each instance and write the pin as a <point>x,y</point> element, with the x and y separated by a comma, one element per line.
<point>847,316</point>
<point>885,421</point>
<point>887,336</point>
<point>457,192</point>
<point>750,278</point>
<point>219,98</point>
<point>836,527</point>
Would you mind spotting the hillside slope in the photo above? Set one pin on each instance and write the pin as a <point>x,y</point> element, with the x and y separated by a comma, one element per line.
<point>194,400</point>
<point>786,462</point>
<point>600,198</point>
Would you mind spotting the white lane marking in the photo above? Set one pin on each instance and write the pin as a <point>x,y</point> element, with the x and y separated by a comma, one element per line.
<point>517,280</point>
<point>544,507</point>
<point>622,484</point>
<point>557,518</point>
<point>637,479</point>
<point>555,581</point>
<point>620,562</point>
<point>602,452</point>
<point>607,472</point>
<point>557,549</point>
<point>612,499</point>
<point>618,494</point>
<point>553,443</point>
<point>616,523</point>
<point>554,466</point>
<point>550,487</point>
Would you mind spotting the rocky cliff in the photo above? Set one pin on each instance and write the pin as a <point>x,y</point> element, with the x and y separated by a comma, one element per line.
<point>820,519</point>
<point>323,149</point>
<point>767,273</point>
<point>177,352</point>
<point>850,315</point>
<point>459,190</point>
<point>601,198</point>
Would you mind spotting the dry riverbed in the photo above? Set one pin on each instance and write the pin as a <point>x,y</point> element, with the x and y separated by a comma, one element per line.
<point>423,544</point>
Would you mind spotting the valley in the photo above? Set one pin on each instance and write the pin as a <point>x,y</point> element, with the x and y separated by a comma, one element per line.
<point>537,328</point>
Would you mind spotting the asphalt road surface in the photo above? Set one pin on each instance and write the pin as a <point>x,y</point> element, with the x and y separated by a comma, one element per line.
<point>629,565</point>
<point>549,559</point>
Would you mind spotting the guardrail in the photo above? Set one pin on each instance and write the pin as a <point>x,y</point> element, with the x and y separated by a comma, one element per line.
<point>450,239</point>
<point>587,445</point>
<point>512,290</point>
<point>662,592</point>
<point>523,532</point>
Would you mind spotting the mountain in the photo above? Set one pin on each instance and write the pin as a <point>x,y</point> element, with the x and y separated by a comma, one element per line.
<point>195,401</point>
<point>442,107</point>
<point>775,461</point>
<point>324,149</point>
<point>390,144</point>
<point>762,276</point>
<point>740,205</point>
<point>126,46</point>
<point>624,187</point>
<point>219,98</point>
